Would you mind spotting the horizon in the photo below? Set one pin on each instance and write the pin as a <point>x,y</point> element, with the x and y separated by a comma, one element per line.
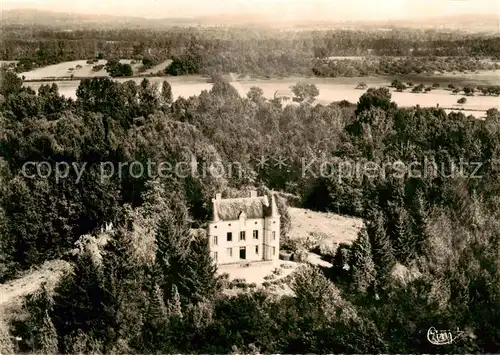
<point>286,10</point>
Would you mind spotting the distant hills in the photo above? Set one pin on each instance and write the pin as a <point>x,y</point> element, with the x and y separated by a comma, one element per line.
<point>471,23</point>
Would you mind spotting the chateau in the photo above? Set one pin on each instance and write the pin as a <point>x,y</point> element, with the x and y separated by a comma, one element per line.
<point>244,230</point>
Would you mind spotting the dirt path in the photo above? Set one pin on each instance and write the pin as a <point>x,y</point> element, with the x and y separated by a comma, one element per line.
<point>49,272</point>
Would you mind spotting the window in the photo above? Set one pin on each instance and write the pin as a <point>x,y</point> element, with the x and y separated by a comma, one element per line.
<point>229,236</point>
<point>256,249</point>
<point>215,240</point>
<point>274,235</point>
<point>243,253</point>
<point>242,236</point>
<point>256,234</point>
<point>215,255</point>
<point>230,252</point>
<point>274,250</point>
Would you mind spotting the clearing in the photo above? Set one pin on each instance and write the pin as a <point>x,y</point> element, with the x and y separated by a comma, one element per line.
<point>80,69</point>
<point>313,228</point>
<point>338,229</point>
<point>331,89</point>
<point>12,292</point>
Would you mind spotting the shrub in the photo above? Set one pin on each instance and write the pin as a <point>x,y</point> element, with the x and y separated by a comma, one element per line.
<point>462,101</point>
<point>361,86</point>
<point>97,67</point>
<point>300,256</point>
<point>278,271</point>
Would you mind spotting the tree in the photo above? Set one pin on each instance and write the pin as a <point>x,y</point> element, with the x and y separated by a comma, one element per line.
<point>174,305</point>
<point>362,268</point>
<point>10,83</point>
<point>375,98</point>
<point>400,87</point>
<point>403,242</point>
<point>462,101</point>
<point>166,93</point>
<point>383,256</point>
<point>417,89</point>
<point>46,340</point>
<point>420,222</point>
<point>117,69</point>
<point>223,89</point>
<point>147,62</point>
<point>362,85</point>
<point>469,90</point>
<point>255,94</point>
<point>395,83</point>
<point>304,91</point>
<point>39,306</point>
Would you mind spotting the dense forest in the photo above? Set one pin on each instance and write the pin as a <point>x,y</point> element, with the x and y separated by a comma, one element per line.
<point>428,255</point>
<point>257,52</point>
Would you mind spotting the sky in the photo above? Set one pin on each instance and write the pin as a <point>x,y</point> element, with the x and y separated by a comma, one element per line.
<point>296,9</point>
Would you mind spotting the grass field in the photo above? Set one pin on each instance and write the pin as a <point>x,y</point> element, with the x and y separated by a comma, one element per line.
<point>331,89</point>
<point>65,69</point>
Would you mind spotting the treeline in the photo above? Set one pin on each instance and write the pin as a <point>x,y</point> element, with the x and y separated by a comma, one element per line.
<point>428,255</point>
<point>398,66</point>
<point>250,51</point>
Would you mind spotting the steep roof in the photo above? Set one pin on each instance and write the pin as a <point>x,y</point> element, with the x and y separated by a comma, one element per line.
<point>253,207</point>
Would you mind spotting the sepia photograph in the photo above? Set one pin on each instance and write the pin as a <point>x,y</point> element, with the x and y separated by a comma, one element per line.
<point>249,177</point>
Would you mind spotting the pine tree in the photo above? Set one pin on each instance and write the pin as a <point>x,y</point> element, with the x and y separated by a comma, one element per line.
<point>361,263</point>
<point>383,256</point>
<point>419,222</point>
<point>403,242</point>
<point>198,277</point>
<point>174,304</point>
<point>46,337</point>
<point>78,300</point>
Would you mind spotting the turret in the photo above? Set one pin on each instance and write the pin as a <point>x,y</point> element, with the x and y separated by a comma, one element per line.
<point>215,216</point>
<point>274,207</point>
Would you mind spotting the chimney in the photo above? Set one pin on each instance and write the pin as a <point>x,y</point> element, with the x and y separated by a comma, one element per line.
<point>218,197</point>
<point>253,193</point>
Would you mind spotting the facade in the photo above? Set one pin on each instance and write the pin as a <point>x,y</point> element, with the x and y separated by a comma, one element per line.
<point>244,230</point>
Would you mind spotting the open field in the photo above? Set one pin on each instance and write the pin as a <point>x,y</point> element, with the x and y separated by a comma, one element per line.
<point>12,292</point>
<point>320,228</point>
<point>331,89</point>
<point>63,70</point>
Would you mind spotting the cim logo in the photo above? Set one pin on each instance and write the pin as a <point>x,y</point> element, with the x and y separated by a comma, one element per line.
<point>442,337</point>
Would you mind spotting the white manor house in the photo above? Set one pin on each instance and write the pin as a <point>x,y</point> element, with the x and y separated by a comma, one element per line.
<point>244,230</point>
